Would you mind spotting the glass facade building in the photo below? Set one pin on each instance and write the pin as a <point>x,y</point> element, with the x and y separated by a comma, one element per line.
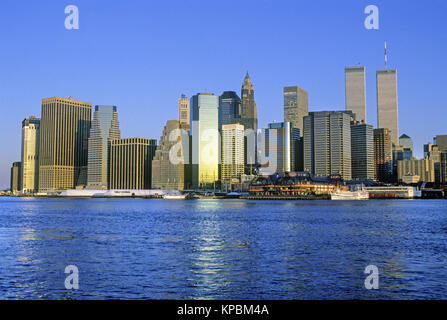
<point>229,103</point>
<point>205,139</point>
<point>105,127</point>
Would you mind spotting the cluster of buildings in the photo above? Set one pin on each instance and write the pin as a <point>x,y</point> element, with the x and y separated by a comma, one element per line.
<point>216,143</point>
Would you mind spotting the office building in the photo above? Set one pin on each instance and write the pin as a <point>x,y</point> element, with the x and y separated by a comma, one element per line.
<point>184,111</point>
<point>406,142</point>
<point>63,147</point>
<point>443,167</point>
<point>387,103</point>
<point>327,143</point>
<point>296,106</point>
<point>424,169</point>
<point>229,104</point>
<point>277,148</point>
<point>383,155</point>
<point>170,165</point>
<point>30,154</point>
<point>441,142</point>
<point>105,127</point>
<point>362,151</point>
<point>355,92</point>
<point>205,140</point>
<point>131,163</point>
<point>248,111</point>
<point>16,181</point>
<point>232,159</point>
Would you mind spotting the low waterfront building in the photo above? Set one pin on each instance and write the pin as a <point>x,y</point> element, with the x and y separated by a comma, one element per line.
<point>391,192</point>
<point>295,184</point>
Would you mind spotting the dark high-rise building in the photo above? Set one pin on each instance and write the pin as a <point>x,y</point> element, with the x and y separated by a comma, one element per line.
<point>105,127</point>
<point>383,155</point>
<point>16,181</point>
<point>362,151</point>
<point>327,143</point>
<point>443,167</point>
<point>63,148</point>
<point>441,142</point>
<point>229,105</point>
<point>131,163</point>
<point>296,106</point>
<point>248,112</point>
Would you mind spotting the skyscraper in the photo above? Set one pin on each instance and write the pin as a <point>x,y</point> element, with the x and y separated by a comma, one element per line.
<point>205,139</point>
<point>232,165</point>
<point>383,156</point>
<point>63,147</point>
<point>277,148</point>
<point>406,142</point>
<point>131,163</point>
<point>387,103</point>
<point>443,168</point>
<point>105,127</point>
<point>327,143</point>
<point>229,104</point>
<point>183,110</point>
<point>170,165</point>
<point>30,154</point>
<point>424,169</point>
<point>296,106</point>
<point>355,92</point>
<point>16,181</point>
<point>441,142</point>
<point>362,151</point>
<point>248,112</point>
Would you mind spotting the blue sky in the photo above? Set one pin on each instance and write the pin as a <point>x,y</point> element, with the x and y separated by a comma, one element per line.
<point>142,55</point>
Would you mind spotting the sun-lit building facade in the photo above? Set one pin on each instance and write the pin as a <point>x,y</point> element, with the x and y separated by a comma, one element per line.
<point>205,139</point>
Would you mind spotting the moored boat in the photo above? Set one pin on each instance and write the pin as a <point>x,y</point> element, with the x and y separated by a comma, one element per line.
<point>349,195</point>
<point>174,196</point>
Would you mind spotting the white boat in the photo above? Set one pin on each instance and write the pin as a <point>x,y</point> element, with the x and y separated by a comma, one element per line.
<point>174,196</point>
<point>349,195</point>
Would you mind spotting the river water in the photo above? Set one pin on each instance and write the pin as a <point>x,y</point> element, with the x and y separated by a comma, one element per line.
<point>222,249</point>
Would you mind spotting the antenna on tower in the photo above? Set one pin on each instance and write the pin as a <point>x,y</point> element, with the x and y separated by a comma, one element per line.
<point>386,58</point>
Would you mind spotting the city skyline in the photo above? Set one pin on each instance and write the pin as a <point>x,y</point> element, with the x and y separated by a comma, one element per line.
<point>268,83</point>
